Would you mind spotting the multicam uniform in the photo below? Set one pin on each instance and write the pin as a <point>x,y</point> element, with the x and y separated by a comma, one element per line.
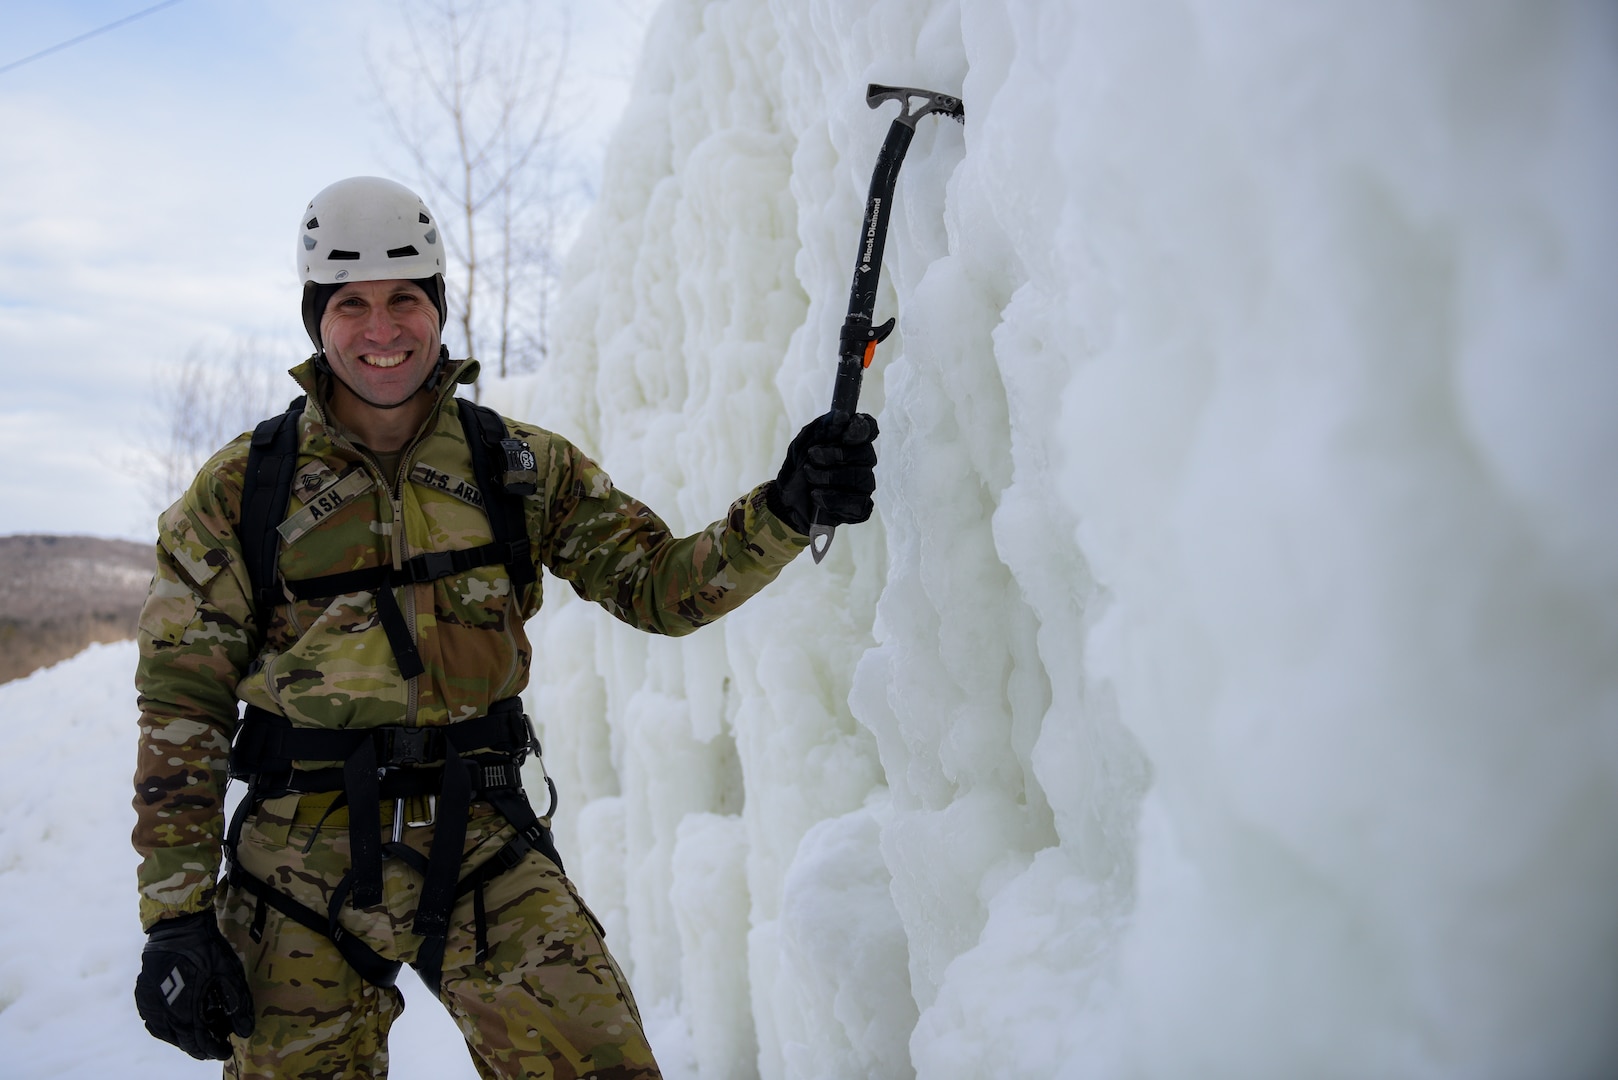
<point>548,999</point>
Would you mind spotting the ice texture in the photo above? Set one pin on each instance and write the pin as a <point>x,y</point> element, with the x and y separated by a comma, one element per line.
<point>1225,686</point>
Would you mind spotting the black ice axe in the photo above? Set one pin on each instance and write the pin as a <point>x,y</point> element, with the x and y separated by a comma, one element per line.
<point>857,344</point>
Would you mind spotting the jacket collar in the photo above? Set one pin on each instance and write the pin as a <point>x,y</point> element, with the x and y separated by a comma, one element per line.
<point>317,385</point>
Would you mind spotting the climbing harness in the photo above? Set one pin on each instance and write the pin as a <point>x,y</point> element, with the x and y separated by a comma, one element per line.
<point>451,766</point>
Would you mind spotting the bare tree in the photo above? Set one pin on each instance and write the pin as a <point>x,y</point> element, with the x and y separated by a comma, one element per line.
<point>203,401</point>
<point>473,94</point>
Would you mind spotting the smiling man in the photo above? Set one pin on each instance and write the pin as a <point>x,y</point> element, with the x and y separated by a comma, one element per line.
<point>358,573</point>
<point>382,342</point>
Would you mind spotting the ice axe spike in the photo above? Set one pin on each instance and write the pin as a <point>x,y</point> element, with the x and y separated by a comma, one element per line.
<point>858,340</point>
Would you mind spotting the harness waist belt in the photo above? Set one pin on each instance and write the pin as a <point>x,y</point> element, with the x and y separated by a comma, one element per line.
<point>268,743</point>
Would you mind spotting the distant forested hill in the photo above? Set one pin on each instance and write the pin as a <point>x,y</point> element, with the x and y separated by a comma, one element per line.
<point>60,593</point>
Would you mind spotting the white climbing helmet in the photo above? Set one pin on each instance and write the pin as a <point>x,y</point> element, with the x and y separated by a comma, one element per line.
<point>366,228</point>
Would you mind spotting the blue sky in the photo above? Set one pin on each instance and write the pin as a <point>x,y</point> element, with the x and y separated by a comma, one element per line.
<point>151,178</point>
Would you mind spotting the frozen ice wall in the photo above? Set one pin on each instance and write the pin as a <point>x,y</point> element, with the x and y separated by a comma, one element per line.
<point>1226,686</point>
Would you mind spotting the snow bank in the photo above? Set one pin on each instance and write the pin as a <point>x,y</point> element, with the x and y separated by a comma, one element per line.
<point>70,937</point>
<point>1225,688</point>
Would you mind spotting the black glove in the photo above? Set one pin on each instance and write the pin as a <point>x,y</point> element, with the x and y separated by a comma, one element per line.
<point>191,990</point>
<point>830,469</point>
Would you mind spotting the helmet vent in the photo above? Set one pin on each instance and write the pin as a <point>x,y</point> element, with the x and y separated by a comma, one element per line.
<point>312,223</point>
<point>342,254</point>
<point>401,252</point>
<point>432,236</point>
<point>425,220</point>
<point>308,242</point>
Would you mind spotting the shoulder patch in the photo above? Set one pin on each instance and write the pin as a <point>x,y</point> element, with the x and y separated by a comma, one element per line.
<point>197,558</point>
<point>312,479</point>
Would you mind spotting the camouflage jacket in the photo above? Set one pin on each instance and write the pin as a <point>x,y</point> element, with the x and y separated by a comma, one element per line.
<point>327,663</point>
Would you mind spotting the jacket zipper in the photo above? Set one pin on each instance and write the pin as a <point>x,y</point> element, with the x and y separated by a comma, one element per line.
<point>396,537</point>
<point>398,550</point>
<point>397,542</point>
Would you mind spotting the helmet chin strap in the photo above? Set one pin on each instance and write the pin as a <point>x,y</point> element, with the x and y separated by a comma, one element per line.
<point>436,375</point>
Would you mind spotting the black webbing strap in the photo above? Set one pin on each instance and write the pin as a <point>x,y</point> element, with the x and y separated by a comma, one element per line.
<point>449,837</point>
<point>364,823</point>
<point>534,837</point>
<point>360,956</point>
<point>508,523</point>
<point>272,458</point>
<point>429,566</point>
<point>334,910</point>
<point>505,859</point>
<point>267,742</point>
<point>480,927</point>
<point>397,630</point>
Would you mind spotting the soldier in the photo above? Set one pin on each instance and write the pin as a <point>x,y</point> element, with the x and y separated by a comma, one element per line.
<point>358,573</point>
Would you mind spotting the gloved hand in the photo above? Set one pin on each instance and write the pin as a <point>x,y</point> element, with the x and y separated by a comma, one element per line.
<point>830,468</point>
<point>191,990</point>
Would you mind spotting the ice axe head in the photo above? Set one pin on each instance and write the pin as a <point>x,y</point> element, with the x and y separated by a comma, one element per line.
<point>915,103</point>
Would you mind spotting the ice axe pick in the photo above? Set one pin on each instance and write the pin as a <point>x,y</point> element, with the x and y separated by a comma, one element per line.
<point>858,341</point>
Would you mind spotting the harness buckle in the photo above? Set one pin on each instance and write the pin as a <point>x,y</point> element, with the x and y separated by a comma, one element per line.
<point>435,565</point>
<point>432,814</point>
<point>516,551</point>
<point>403,747</point>
<point>400,820</point>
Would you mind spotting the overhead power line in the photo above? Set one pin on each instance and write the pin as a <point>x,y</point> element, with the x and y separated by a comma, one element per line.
<point>86,37</point>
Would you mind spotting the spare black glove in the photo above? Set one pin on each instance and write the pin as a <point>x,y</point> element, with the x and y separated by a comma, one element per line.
<point>830,468</point>
<point>191,990</point>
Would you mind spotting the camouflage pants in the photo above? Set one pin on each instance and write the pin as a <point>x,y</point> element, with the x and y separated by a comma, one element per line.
<point>549,1001</point>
